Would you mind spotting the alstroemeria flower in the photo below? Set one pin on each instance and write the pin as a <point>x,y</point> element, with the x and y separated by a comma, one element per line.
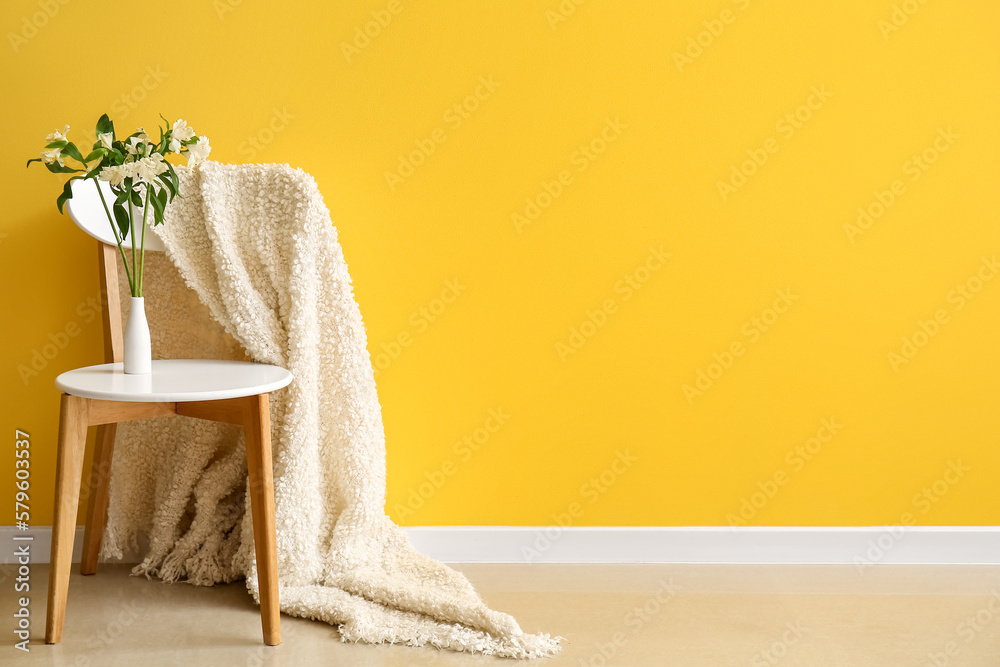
<point>197,152</point>
<point>56,135</point>
<point>133,144</point>
<point>181,130</point>
<point>53,155</point>
<point>113,175</point>
<point>148,168</point>
<point>179,133</point>
<point>105,139</point>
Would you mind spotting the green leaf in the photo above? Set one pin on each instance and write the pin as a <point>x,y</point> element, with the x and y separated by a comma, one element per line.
<point>158,202</point>
<point>71,150</point>
<point>173,179</point>
<point>136,199</point>
<point>57,144</point>
<point>56,168</point>
<point>36,159</point>
<point>165,179</point>
<point>67,193</point>
<point>95,154</point>
<point>105,125</point>
<point>95,171</point>
<point>121,215</point>
<point>121,196</point>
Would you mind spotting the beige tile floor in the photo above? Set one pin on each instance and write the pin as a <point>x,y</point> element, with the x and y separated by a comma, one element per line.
<point>630,615</point>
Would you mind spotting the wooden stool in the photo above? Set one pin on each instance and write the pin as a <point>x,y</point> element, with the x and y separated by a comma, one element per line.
<point>234,392</point>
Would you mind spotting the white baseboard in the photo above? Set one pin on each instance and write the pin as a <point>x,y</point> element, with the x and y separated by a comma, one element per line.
<point>890,545</point>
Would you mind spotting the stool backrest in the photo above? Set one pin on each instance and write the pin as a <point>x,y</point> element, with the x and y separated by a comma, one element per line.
<point>87,211</point>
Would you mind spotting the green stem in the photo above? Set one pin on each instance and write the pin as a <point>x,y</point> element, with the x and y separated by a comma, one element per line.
<point>118,238</point>
<point>137,286</point>
<point>142,245</point>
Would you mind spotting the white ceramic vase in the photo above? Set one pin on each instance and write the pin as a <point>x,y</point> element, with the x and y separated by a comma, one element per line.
<point>138,356</point>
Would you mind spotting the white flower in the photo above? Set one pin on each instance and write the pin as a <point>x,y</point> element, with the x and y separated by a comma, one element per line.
<point>160,162</point>
<point>113,175</point>
<point>56,135</point>
<point>144,169</point>
<point>105,139</point>
<point>52,155</point>
<point>148,168</point>
<point>133,143</point>
<point>199,151</point>
<point>181,130</point>
<point>180,133</point>
<point>132,146</point>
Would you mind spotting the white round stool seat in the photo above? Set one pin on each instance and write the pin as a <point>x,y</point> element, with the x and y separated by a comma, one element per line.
<point>175,381</point>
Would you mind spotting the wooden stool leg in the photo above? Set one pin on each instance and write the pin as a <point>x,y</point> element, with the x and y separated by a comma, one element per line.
<point>257,431</point>
<point>97,506</point>
<point>69,467</point>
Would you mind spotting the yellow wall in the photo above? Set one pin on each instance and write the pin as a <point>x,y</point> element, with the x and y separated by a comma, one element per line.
<point>274,82</point>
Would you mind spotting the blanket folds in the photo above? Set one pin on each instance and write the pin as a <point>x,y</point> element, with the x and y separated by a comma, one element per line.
<point>253,269</point>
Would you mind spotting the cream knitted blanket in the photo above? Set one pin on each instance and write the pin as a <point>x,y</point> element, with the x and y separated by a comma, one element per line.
<point>257,246</point>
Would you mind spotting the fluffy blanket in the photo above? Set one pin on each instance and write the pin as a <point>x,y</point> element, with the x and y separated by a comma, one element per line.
<point>253,269</point>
